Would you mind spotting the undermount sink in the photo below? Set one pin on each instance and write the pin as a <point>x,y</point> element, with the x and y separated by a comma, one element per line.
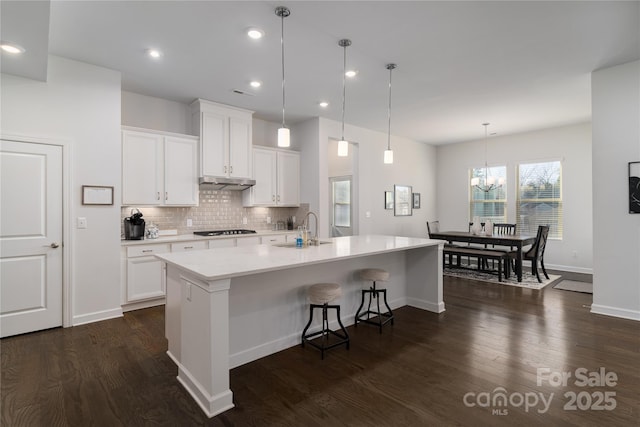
<point>293,244</point>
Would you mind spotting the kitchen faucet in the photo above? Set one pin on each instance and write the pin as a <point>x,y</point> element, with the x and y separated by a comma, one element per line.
<point>312,241</point>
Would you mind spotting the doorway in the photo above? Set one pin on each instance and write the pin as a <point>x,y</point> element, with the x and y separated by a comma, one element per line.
<point>31,236</point>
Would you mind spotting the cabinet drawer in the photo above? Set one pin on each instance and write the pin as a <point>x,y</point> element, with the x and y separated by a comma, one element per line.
<point>222,243</point>
<point>248,241</point>
<point>189,246</point>
<point>146,250</point>
<point>271,240</point>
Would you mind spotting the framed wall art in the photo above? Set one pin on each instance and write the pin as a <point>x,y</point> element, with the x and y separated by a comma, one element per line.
<point>402,201</point>
<point>634,187</point>
<point>388,199</point>
<point>97,195</point>
<point>416,200</point>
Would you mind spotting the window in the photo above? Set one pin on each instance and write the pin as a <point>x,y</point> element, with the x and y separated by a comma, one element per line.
<point>342,202</point>
<point>540,198</point>
<point>489,205</point>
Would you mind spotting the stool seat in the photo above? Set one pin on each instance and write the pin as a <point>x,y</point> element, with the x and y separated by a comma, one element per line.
<point>374,317</point>
<point>322,293</point>
<point>374,274</point>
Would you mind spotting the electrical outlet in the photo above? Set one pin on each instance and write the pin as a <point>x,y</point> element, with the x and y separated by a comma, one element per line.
<point>268,220</point>
<point>189,222</point>
<point>82,222</point>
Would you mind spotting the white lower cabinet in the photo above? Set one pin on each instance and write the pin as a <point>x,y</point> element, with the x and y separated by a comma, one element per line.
<point>145,274</point>
<point>248,241</point>
<point>189,246</point>
<point>222,243</point>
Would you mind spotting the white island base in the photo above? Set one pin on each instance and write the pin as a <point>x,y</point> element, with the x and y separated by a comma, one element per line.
<point>227,307</point>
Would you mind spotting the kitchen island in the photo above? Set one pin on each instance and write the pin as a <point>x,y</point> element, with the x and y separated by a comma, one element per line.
<point>229,306</point>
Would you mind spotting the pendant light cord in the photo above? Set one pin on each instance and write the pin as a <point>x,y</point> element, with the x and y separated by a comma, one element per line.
<point>282,48</point>
<point>390,67</point>
<point>344,85</point>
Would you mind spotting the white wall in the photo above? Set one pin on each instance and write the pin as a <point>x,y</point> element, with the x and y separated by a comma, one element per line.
<point>155,113</point>
<point>570,144</point>
<point>79,103</point>
<point>414,164</point>
<point>616,233</point>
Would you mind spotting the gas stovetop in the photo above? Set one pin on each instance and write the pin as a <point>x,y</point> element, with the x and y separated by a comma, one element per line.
<point>223,232</point>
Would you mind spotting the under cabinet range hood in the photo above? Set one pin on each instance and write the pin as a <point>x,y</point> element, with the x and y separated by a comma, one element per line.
<point>222,183</point>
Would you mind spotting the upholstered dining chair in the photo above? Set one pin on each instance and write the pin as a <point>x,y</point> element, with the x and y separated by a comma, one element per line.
<point>536,253</point>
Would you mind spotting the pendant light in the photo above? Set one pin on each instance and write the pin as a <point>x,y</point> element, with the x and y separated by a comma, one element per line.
<point>343,145</point>
<point>388,153</point>
<point>489,181</point>
<point>284,139</point>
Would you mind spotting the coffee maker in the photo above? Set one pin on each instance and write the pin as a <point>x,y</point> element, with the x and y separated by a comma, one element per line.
<point>134,226</point>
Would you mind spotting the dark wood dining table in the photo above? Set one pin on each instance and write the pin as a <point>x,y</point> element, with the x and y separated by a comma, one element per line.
<point>517,241</point>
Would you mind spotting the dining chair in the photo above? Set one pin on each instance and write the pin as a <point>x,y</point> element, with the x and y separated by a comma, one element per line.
<point>504,229</point>
<point>536,253</point>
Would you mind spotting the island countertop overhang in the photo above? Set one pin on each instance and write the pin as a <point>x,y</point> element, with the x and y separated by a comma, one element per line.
<point>226,263</point>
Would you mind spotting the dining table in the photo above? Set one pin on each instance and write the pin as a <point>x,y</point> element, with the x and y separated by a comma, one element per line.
<point>517,241</point>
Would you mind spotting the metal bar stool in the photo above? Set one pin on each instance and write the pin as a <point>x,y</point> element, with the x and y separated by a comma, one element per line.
<point>375,275</point>
<point>320,295</point>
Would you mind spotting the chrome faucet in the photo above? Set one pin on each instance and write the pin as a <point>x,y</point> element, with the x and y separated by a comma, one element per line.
<point>312,241</point>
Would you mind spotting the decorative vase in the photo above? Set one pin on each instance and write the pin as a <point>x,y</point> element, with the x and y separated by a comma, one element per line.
<point>476,227</point>
<point>488,228</point>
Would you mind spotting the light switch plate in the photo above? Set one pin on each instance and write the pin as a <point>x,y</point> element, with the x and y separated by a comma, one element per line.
<point>82,222</point>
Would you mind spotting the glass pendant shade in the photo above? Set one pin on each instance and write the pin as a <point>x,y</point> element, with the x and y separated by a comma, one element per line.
<point>284,139</point>
<point>475,181</point>
<point>343,148</point>
<point>388,157</point>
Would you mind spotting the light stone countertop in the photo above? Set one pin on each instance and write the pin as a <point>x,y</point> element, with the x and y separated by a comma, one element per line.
<point>224,263</point>
<point>193,237</point>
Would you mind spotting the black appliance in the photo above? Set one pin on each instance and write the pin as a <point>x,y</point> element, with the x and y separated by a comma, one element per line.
<point>224,232</point>
<point>134,226</point>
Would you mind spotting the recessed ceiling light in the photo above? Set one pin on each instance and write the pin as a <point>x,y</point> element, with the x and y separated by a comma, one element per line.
<point>255,33</point>
<point>154,53</point>
<point>11,47</point>
<point>255,84</point>
<point>351,73</point>
<point>324,104</point>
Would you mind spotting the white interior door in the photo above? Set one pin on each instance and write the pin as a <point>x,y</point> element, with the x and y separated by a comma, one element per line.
<point>30,237</point>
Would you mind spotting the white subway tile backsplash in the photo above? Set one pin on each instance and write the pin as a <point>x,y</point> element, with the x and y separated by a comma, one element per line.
<point>218,210</point>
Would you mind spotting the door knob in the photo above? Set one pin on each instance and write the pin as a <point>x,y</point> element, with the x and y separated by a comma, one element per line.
<point>54,245</point>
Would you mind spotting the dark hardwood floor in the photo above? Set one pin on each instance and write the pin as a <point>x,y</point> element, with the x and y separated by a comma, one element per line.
<point>417,373</point>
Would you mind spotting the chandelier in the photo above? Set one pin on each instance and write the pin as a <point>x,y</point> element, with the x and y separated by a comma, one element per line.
<point>488,182</point>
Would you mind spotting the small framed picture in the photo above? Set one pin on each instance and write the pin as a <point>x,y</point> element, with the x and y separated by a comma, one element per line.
<point>634,187</point>
<point>416,200</point>
<point>388,199</point>
<point>97,195</point>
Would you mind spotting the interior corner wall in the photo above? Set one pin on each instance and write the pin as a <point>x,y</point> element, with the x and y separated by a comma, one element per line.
<point>414,165</point>
<point>616,232</point>
<point>79,103</point>
<point>570,144</point>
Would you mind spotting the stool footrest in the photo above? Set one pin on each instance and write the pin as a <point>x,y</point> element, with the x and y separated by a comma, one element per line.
<point>325,331</point>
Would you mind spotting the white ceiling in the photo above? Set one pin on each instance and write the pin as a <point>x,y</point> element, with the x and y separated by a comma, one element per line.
<point>518,65</point>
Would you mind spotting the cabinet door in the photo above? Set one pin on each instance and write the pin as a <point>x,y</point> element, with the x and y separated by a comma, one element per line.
<point>240,140</point>
<point>214,141</point>
<point>180,171</point>
<point>141,168</point>
<point>288,176</point>
<point>145,278</point>
<point>264,172</point>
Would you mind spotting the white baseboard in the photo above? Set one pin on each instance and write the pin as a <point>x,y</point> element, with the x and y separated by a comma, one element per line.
<point>143,304</point>
<point>96,316</point>
<point>569,268</point>
<point>615,312</point>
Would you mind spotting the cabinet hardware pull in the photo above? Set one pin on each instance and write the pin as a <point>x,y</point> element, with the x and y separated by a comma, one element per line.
<point>273,198</point>
<point>278,197</point>
<point>225,169</point>
<point>166,195</point>
<point>230,169</point>
<point>158,195</point>
<point>147,250</point>
<point>188,247</point>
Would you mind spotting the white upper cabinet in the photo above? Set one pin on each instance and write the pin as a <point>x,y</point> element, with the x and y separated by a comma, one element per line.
<point>159,169</point>
<point>277,175</point>
<point>225,139</point>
